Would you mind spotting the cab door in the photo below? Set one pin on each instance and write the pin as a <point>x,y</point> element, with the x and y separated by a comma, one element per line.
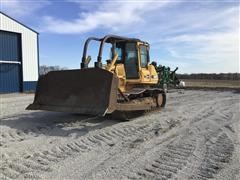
<point>144,56</point>
<point>131,61</point>
<point>145,70</point>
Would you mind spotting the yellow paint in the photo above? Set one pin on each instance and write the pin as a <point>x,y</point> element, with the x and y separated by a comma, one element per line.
<point>147,75</point>
<point>111,65</point>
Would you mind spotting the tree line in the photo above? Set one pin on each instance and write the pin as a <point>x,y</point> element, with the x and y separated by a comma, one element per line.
<point>213,76</point>
<point>44,69</point>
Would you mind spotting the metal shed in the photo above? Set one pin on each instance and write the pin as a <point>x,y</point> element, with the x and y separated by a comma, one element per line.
<point>19,56</point>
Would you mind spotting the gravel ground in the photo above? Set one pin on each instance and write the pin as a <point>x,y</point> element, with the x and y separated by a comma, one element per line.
<point>196,136</point>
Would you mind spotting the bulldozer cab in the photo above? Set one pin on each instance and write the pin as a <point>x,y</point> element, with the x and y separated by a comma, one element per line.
<point>129,61</point>
<point>127,55</point>
<point>132,54</point>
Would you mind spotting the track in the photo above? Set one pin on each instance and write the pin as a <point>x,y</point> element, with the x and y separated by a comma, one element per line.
<point>197,139</point>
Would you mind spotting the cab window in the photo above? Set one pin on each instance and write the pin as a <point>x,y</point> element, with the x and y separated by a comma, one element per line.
<point>130,61</point>
<point>119,50</point>
<point>143,55</point>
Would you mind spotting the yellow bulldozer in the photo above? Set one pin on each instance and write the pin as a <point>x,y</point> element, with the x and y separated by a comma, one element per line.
<point>126,83</point>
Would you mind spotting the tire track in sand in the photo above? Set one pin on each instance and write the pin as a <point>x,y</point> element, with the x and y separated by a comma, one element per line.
<point>31,165</point>
<point>169,161</point>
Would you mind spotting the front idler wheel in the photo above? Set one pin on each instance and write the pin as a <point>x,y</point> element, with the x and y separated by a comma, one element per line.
<point>161,100</point>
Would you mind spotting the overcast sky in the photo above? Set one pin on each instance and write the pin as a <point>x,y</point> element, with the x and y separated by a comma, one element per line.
<point>197,36</point>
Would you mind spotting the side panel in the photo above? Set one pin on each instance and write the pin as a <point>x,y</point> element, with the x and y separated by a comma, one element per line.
<point>9,46</point>
<point>10,62</point>
<point>29,86</point>
<point>9,78</point>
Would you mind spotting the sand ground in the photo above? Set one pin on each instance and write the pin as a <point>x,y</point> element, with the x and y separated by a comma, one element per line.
<point>196,136</point>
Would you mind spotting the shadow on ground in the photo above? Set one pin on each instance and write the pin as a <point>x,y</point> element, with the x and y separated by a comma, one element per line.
<point>57,124</point>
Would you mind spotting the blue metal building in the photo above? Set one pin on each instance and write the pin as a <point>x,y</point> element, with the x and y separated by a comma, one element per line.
<point>19,57</point>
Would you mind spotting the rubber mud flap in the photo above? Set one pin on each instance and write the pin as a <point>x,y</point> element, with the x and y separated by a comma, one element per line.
<point>90,91</point>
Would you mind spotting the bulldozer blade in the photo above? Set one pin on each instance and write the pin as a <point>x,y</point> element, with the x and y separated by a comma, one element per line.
<point>90,91</point>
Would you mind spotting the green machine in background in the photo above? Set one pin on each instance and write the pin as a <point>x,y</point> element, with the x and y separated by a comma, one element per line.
<point>167,77</point>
